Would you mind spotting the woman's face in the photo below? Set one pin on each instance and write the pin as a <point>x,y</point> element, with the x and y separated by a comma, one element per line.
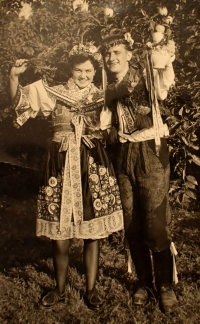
<point>83,74</point>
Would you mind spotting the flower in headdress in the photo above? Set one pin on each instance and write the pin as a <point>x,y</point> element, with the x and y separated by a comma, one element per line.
<point>88,48</point>
<point>92,49</point>
<point>128,38</point>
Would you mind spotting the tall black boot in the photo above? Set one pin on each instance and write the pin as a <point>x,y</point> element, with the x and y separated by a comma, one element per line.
<point>142,261</point>
<point>163,271</point>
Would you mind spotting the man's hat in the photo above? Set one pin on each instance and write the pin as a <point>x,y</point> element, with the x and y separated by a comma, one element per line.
<point>114,36</point>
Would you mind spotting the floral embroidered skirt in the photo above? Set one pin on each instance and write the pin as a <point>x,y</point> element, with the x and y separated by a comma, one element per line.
<point>79,195</point>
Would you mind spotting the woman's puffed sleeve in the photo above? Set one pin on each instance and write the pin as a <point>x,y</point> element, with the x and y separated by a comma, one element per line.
<point>31,100</point>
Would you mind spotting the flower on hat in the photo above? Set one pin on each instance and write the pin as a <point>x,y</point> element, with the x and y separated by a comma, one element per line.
<point>149,44</point>
<point>128,38</point>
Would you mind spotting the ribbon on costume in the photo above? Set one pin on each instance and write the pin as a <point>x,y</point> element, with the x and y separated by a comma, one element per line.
<point>174,253</point>
<point>104,82</point>
<point>157,120</point>
<point>72,203</point>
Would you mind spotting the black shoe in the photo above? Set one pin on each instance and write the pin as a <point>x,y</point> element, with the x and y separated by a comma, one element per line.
<point>168,300</point>
<point>51,299</point>
<point>93,300</point>
<point>141,296</point>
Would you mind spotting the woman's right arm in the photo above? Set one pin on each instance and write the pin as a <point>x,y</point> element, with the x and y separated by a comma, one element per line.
<point>28,101</point>
<point>19,68</point>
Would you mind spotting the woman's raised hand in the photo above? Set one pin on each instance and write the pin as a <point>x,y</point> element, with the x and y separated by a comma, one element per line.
<point>19,67</point>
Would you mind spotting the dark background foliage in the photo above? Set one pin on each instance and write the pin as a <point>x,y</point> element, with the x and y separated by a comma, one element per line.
<point>45,39</point>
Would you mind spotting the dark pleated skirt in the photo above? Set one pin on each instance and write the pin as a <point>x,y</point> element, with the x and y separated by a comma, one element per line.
<point>102,209</point>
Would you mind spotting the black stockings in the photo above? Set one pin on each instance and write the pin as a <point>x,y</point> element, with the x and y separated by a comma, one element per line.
<point>91,261</point>
<point>61,262</point>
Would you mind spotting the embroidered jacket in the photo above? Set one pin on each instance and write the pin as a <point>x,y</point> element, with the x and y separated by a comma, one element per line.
<point>129,107</point>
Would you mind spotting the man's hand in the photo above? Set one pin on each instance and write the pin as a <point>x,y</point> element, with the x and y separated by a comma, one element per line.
<point>113,135</point>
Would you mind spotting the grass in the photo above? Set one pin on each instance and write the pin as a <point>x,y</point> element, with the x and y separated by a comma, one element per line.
<point>26,269</point>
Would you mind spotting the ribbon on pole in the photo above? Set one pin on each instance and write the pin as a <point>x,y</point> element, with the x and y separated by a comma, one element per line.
<point>104,82</point>
<point>157,120</point>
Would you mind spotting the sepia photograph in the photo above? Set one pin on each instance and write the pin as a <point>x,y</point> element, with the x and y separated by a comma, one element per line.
<point>100,162</point>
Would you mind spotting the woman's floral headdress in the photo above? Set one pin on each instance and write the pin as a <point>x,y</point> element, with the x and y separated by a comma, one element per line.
<point>87,49</point>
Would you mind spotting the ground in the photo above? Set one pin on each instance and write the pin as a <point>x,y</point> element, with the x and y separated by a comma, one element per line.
<point>26,270</point>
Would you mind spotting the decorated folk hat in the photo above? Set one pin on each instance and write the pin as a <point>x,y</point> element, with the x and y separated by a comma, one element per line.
<point>114,37</point>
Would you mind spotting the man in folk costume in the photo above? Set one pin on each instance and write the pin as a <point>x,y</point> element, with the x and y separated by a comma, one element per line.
<point>132,117</point>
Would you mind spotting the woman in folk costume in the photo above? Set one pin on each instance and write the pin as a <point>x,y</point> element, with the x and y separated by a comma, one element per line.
<point>142,164</point>
<point>79,196</point>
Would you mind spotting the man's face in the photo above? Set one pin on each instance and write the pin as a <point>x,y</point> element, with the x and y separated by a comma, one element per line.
<point>117,58</point>
<point>83,74</point>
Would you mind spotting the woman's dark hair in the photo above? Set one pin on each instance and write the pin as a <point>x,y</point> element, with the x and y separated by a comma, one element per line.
<point>82,58</point>
<point>64,69</point>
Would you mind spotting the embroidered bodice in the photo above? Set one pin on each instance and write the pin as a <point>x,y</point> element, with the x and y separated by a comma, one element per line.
<point>63,102</point>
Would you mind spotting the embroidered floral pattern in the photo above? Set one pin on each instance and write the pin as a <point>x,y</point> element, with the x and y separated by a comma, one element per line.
<point>81,98</point>
<point>49,199</point>
<point>52,182</point>
<point>104,190</point>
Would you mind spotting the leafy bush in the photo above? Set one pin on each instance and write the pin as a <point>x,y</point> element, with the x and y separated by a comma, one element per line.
<point>46,35</point>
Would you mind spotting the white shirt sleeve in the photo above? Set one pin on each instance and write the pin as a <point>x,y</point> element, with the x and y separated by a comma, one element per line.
<point>34,99</point>
<point>105,118</point>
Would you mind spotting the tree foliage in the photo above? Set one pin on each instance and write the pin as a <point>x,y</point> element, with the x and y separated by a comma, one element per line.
<point>53,27</point>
